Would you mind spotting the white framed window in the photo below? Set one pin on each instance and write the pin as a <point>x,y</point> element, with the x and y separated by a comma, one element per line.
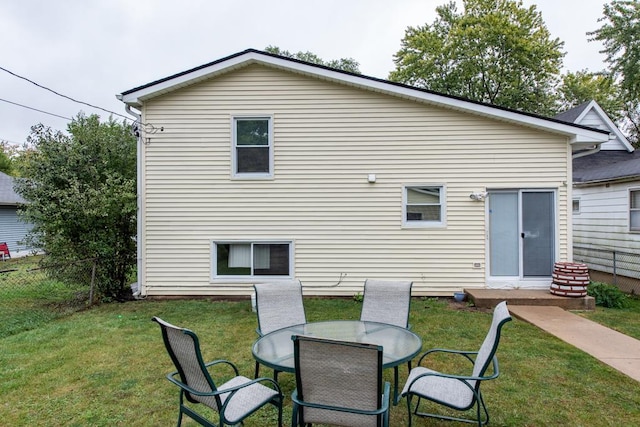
<point>634,209</point>
<point>424,206</point>
<point>252,259</point>
<point>575,206</point>
<point>252,147</point>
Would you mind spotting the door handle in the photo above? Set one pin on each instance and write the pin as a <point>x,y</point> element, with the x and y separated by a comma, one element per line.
<point>522,235</point>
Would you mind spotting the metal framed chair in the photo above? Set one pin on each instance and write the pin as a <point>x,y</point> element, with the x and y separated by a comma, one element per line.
<point>387,301</point>
<point>4,251</point>
<point>233,400</point>
<point>278,305</point>
<point>339,383</point>
<point>459,392</point>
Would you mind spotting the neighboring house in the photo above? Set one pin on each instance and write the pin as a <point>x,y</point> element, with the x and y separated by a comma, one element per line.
<point>12,229</point>
<point>606,196</point>
<point>257,167</point>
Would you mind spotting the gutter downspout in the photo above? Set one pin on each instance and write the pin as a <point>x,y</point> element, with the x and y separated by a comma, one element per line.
<point>587,152</point>
<point>140,292</point>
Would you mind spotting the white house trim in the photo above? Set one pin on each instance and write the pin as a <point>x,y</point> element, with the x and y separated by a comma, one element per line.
<point>579,136</point>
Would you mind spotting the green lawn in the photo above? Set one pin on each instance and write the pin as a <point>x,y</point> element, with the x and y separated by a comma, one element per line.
<point>106,366</point>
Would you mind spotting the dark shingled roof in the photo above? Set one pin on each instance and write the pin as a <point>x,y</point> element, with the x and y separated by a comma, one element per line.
<point>606,166</point>
<point>7,195</point>
<point>571,115</point>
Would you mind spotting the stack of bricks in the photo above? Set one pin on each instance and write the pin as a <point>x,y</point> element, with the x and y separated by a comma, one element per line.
<point>570,279</point>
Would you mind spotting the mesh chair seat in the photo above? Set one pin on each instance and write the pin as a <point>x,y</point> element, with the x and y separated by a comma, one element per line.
<point>246,400</point>
<point>452,392</point>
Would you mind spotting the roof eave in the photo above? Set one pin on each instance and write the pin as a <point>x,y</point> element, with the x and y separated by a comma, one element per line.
<point>579,136</point>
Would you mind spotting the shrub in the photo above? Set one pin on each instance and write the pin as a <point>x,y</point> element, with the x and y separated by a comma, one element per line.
<point>607,295</point>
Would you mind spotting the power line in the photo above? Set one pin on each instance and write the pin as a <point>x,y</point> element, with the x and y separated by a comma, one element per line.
<point>65,96</point>
<point>35,109</point>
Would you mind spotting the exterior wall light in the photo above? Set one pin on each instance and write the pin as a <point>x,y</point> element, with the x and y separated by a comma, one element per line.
<point>478,196</point>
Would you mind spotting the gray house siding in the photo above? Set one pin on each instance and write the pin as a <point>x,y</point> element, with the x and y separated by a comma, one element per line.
<point>12,229</point>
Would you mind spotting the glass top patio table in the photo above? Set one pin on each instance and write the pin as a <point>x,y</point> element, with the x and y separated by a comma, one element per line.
<point>399,345</point>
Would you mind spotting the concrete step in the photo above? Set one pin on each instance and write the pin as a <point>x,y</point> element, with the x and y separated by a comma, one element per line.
<point>489,298</point>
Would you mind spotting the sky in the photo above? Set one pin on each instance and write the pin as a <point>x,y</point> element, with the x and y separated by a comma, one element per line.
<point>91,50</point>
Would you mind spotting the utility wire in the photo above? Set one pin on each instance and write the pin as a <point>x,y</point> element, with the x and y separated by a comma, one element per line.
<point>65,96</point>
<point>35,109</point>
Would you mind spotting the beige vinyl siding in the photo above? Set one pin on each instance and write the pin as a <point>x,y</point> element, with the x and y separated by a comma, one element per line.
<point>327,139</point>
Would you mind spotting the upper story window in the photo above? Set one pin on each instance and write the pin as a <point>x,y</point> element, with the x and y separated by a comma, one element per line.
<point>252,147</point>
<point>424,206</point>
<point>634,209</point>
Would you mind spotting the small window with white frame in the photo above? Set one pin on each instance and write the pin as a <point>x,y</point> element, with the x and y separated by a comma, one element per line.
<point>575,206</point>
<point>252,259</point>
<point>424,206</point>
<point>634,210</point>
<point>252,154</point>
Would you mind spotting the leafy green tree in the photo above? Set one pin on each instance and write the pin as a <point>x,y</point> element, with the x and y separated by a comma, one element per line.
<point>496,51</point>
<point>6,165</point>
<point>81,193</point>
<point>620,36</point>
<point>344,64</point>
<point>584,86</point>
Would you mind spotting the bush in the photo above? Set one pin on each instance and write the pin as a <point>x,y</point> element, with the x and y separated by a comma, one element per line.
<point>607,295</point>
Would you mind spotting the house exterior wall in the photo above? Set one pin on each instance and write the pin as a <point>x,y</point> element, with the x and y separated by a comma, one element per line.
<point>328,138</point>
<point>12,229</point>
<point>594,120</point>
<point>602,223</point>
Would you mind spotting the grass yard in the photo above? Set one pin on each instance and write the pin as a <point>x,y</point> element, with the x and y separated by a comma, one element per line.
<point>624,320</point>
<point>106,366</point>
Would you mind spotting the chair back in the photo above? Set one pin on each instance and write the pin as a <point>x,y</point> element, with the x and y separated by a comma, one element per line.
<point>184,349</point>
<point>490,344</point>
<point>386,301</point>
<point>278,305</point>
<point>339,374</point>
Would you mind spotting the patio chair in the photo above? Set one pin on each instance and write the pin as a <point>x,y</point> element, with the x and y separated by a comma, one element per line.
<point>339,383</point>
<point>278,305</point>
<point>459,392</point>
<point>386,301</point>
<point>4,251</point>
<point>234,400</point>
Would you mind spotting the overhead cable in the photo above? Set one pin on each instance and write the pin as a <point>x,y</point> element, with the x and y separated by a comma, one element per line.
<point>35,109</point>
<point>65,96</point>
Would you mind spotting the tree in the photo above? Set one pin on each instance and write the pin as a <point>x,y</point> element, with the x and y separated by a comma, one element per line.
<point>81,194</point>
<point>584,86</point>
<point>6,165</point>
<point>344,64</point>
<point>620,36</point>
<point>496,51</point>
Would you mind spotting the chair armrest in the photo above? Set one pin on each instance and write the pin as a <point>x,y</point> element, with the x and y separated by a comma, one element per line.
<point>463,378</point>
<point>172,377</point>
<point>383,408</point>
<point>465,354</point>
<point>222,361</point>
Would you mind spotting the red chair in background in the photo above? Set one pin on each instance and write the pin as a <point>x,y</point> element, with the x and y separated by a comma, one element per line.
<point>4,251</point>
